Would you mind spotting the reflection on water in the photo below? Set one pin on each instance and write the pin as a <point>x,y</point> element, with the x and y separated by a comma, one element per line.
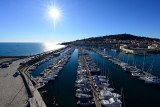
<point>51,46</point>
<point>20,49</point>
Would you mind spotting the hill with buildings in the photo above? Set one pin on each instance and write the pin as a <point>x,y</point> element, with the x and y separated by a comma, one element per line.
<point>125,42</point>
<point>119,38</point>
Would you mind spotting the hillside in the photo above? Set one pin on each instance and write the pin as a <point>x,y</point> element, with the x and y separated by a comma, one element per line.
<point>117,37</point>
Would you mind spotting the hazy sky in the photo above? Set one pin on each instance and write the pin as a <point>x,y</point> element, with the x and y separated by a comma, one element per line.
<point>29,20</point>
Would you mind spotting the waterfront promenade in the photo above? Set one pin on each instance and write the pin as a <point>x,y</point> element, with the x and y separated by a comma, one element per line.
<point>13,91</point>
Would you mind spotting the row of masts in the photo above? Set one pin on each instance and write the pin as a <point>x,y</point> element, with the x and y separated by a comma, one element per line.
<point>52,71</point>
<point>90,77</point>
<point>147,77</point>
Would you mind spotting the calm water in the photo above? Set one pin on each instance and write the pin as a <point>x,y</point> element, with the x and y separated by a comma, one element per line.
<point>149,63</point>
<point>63,89</point>
<point>136,93</point>
<point>42,67</point>
<point>20,49</point>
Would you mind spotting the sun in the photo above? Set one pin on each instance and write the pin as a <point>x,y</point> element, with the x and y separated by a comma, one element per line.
<point>54,13</point>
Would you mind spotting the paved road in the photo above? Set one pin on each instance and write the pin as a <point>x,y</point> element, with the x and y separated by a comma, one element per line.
<point>12,90</point>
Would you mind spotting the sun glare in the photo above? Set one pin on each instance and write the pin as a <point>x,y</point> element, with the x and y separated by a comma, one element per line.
<point>52,46</point>
<point>54,13</point>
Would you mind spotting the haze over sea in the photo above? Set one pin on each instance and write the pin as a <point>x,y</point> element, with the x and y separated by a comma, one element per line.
<point>22,49</point>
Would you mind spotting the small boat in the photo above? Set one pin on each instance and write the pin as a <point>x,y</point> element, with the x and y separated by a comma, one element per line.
<point>82,85</point>
<point>110,89</point>
<point>139,74</point>
<point>104,94</point>
<point>82,81</point>
<point>111,103</point>
<point>44,81</point>
<point>48,79</point>
<point>85,102</point>
<point>135,71</point>
<point>115,95</point>
<point>80,95</point>
<point>105,84</point>
<point>103,80</point>
<point>152,80</point>
<point>83,90</point>
<point>102,77</point>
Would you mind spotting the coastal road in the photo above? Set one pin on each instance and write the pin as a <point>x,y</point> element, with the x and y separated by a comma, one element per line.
<point>12,89</point>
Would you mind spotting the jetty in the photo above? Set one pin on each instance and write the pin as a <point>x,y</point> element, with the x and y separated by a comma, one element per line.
<point>27,66</point>
<point>51,72</point>
<point>84,74</point>
<point>89,78</point>
<point>95,93</point>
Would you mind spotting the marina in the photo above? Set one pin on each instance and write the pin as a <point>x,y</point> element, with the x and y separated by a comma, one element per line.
<point>83,53</point>
<point>92,81</point>
<point>97,84</point>
<point>62,91</point>
<point>51,72</point>
<point>89,91</point>
<point>142,75</point>
<point>131,86</point>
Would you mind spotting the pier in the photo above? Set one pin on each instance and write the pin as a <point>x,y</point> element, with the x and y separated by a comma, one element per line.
<point>30,82</point>
<point>83,66</point>
<point>90,78</point>
<point>39,81</point>
<point>95,93</point>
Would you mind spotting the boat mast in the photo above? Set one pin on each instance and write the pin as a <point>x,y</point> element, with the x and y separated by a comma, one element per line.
<point>143,62</point>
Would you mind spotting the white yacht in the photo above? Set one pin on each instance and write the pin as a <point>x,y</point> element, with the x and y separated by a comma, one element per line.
<point>111,102</point>
<point>152,80</point>
<point>80,95</point>
<point>139,74</point>
<point>104,94</point>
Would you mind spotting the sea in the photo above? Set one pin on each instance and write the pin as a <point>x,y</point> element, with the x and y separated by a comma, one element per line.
<point>135,93</point>
<point>23,49</point>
